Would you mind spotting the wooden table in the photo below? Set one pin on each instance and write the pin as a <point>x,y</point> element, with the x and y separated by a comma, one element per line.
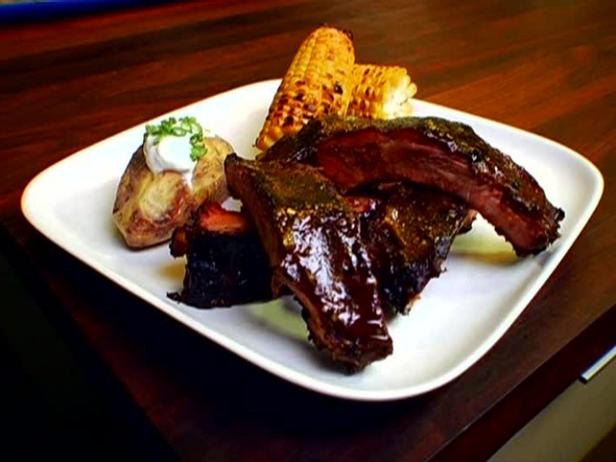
<point>548,67</point>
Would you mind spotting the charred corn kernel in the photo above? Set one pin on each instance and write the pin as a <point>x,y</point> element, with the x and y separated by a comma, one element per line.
<point>381,92</point>
<point>318,81</point>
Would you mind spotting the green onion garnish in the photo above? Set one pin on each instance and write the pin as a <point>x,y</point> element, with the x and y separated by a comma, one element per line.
<point>180,127</point>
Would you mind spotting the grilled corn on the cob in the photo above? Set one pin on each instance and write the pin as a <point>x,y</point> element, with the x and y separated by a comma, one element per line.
<point>381,92</point>
<point>318,81</point>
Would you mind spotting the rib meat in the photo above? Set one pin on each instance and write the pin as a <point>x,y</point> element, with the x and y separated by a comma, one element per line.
<point>446,155</point>
<point>313,238</point>
<point>225,262</point>
<point>412,232</point>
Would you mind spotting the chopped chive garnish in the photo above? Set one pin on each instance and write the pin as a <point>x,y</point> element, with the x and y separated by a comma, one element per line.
<point>182,127</point>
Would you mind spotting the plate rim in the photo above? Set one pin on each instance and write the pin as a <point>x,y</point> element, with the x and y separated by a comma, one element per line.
<point>272,366</point>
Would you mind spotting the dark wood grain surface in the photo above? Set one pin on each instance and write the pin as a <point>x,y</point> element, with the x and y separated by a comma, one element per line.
<point>548,67</point>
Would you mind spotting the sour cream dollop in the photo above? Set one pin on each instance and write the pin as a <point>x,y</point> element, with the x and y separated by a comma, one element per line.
<point>168,153</point>
<point>174,145</point>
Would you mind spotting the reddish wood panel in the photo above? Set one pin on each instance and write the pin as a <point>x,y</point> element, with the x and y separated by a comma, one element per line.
<point>548,67</point>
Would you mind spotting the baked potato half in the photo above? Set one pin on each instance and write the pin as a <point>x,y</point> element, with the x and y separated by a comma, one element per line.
<point>149,206</point>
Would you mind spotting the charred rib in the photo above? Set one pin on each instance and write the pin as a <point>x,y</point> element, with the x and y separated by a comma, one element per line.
<point>225,262</point>
<point>446,155</point>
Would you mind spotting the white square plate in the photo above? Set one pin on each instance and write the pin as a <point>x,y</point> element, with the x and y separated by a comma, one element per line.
<point>459,317</point>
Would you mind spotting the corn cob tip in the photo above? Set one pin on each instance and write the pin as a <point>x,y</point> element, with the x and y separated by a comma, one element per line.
<point>381,92</point>
<point>318,81</point>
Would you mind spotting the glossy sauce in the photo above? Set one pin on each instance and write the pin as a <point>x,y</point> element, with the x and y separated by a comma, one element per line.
<point>314,239</point>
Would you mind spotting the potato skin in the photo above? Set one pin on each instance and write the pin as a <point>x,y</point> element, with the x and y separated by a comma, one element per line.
<point>148,206</point>
<point>209,181</point>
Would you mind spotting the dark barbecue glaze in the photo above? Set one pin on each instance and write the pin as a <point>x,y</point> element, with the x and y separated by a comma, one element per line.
<point>225,262</point>
<point>412,232</point>
<point>436,152</point>
<point>312,236</point>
